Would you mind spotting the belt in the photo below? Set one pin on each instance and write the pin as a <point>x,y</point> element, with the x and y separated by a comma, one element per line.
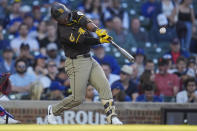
<point>79,56</point>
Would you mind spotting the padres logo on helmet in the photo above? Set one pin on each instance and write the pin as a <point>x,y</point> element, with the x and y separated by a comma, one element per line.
<point>58,10</point>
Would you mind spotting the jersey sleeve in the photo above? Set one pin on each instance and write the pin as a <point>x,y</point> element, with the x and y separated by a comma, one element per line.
<point>79,18</point>
<point>92,41</point>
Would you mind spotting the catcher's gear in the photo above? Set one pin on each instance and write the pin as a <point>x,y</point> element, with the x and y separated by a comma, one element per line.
<point>7,118</point>
<point>5,86</point>
<point>60,12</point>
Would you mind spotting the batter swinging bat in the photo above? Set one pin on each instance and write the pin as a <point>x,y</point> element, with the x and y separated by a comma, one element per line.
<point>123,51</point>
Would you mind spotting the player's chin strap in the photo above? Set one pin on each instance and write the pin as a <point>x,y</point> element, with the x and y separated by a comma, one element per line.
<point>109,109</point>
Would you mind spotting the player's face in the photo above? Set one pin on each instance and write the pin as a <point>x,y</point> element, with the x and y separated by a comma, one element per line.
<point>64,19</point>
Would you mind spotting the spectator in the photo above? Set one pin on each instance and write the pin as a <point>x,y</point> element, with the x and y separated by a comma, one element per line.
<point>171,65</point>
<point>101,57</point>
<point>116,11</point>
<point>176,51</point>
<point>29,21</point>
<point>134,77</point>
<point>181,70</point>
<point>149,65</point>
<point>3,42</point>
<point>118,93</point>
<point>95,9</point>
<point>167,9</point>
<point>186,15</point>
<point>140,36</point>
<point>52,70</point>
<point>139,61</point>
<point>4,9</point>
<point>25,54</point>
<point>85,6</point>
<point>148,95</point>
<point>40,73</point>
<point>14,17</point>
<point>190,94</point>
<point>51,35</point>
<point>21,81</point>
<point>129,86</point>
<point>162,31</point>
<point>37,15</point>
<point>150,9</point>
<point>62,77</point>
<point>13,26</point>
<point>41,31</point>
<point>89,94</point>
<point>15,9</point>
<point>193,45</point>
<point>107,70</point>
<point>167,84</point>
<point>192,67</point>
<point>40,60</point>
<point>181,66</point>
<point>108,23</point>
<point>7,64</point>
<point>121,36</point>
<point>23,38</point>
<point>56,91</point>
<point>52,53</point>
<point>147,77</point>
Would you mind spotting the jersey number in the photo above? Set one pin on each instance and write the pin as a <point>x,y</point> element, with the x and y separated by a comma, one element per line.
<point>72,38</point>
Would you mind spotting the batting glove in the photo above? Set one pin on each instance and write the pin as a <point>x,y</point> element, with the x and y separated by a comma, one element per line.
<point>101,32</point>
<point>105,39</point>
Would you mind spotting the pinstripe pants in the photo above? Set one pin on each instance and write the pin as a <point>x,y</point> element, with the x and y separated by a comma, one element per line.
<point>82,71</point>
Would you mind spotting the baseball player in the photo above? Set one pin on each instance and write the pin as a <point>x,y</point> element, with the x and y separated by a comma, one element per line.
<point>73,30</point>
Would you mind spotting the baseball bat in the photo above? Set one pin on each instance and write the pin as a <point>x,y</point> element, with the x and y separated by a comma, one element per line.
<point>123,51</point>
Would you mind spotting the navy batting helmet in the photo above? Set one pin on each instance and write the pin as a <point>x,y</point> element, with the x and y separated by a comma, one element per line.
<point>59,11</point>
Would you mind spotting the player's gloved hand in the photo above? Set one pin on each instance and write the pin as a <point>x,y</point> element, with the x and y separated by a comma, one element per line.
<point>101,32</point>
<point>105,39</point>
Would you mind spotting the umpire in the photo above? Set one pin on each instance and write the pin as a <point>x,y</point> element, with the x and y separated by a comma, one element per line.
<point>74,35</point>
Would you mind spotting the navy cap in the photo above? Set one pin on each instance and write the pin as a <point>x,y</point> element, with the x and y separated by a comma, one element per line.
<point>117,85</point>
<point>192,60</point>
<point>28,15</point>
<point>162,62</point>
<point>7,49</point>
<point>55,85</point>
<point>175,41</point>
<point>40,56</point>
<point>24,46</point>
<point>140,51</point>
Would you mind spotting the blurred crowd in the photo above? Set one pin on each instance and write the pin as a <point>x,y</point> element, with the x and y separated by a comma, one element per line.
<point>161,34</point>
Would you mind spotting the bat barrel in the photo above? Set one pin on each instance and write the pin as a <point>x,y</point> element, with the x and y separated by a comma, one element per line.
<point>123,52</point>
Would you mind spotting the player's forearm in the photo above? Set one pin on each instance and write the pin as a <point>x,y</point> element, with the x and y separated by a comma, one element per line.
<point>92,27</point>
